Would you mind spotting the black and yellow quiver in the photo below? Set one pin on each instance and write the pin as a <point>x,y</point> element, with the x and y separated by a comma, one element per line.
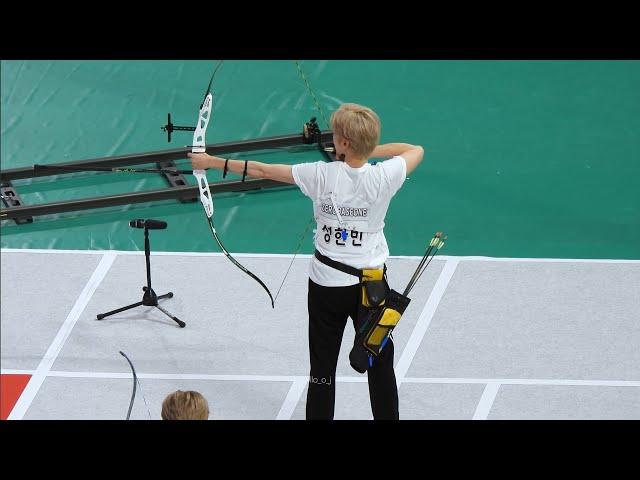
<point>384,321</point>
<point>376,325</point>
<point>380,308</point>
<point>373,297</point>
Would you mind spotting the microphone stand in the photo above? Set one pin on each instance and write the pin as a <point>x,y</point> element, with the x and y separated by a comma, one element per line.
<point>149,299</point>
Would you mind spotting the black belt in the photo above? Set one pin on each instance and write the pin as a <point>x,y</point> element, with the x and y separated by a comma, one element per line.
<point>338,266</point>
<point>341,266</point>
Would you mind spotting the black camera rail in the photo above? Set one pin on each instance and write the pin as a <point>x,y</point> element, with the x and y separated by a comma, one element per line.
<point>19,212</point>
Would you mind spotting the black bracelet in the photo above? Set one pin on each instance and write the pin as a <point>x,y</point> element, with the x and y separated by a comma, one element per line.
<point>246,162</point>
<point>224,174</point>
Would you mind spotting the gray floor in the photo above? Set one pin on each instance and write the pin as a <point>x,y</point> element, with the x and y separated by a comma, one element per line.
<point>482,338</point>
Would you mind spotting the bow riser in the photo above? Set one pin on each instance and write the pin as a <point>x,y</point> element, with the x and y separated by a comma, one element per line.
<point>199,146</point>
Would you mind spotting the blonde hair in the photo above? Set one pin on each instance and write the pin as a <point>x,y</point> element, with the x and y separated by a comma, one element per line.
<point>359,125</point>
<point>188,405</point>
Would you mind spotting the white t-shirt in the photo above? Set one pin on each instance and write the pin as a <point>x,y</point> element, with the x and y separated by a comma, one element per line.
<point>349,205</point>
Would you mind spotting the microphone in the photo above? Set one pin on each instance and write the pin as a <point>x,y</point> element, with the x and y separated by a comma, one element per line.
<point>148,224</point>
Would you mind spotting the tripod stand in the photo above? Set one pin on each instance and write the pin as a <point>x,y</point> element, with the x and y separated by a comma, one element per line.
<point>149,299</point>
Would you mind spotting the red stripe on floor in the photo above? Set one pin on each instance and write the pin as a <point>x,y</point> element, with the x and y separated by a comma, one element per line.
<point>11,387</point>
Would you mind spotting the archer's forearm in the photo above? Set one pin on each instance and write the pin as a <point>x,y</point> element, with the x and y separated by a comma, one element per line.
<point>254,169</point>
<point>280,173</point>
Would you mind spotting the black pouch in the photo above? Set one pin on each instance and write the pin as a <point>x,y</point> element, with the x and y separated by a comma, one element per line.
<point>374,292</point>
<point>374,287</point>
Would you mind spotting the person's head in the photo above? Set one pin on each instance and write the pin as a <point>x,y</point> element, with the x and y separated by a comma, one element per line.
<point>356,130</point>
<point>188,405</point>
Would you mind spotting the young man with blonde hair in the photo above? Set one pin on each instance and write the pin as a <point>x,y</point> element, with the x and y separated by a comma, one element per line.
<point>187,405</point>
<point>350,201</point>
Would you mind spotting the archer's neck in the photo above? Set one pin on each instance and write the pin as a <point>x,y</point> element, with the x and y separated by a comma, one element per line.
<point>355,161</point>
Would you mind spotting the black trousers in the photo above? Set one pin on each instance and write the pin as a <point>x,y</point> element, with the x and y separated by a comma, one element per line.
<point>329,309</point>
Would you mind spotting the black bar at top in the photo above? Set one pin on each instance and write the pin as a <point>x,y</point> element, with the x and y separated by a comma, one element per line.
<point>266,143</point>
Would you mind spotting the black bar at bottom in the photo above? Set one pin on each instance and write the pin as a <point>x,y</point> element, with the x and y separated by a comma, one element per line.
<point>12,199</point>
<point>181,193</point>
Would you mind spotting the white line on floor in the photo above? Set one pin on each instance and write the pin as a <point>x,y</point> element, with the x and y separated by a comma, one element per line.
<point>530,381</point>
<point>292,399</point>
<point>341,379</point>
<point>31,390</point>
<point>177,376</point>
<point>486,401</point>
<point>305,255</point>
<point>424,320</point>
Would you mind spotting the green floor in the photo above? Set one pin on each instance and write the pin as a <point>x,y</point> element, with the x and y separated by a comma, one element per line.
<point>523,158</point>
